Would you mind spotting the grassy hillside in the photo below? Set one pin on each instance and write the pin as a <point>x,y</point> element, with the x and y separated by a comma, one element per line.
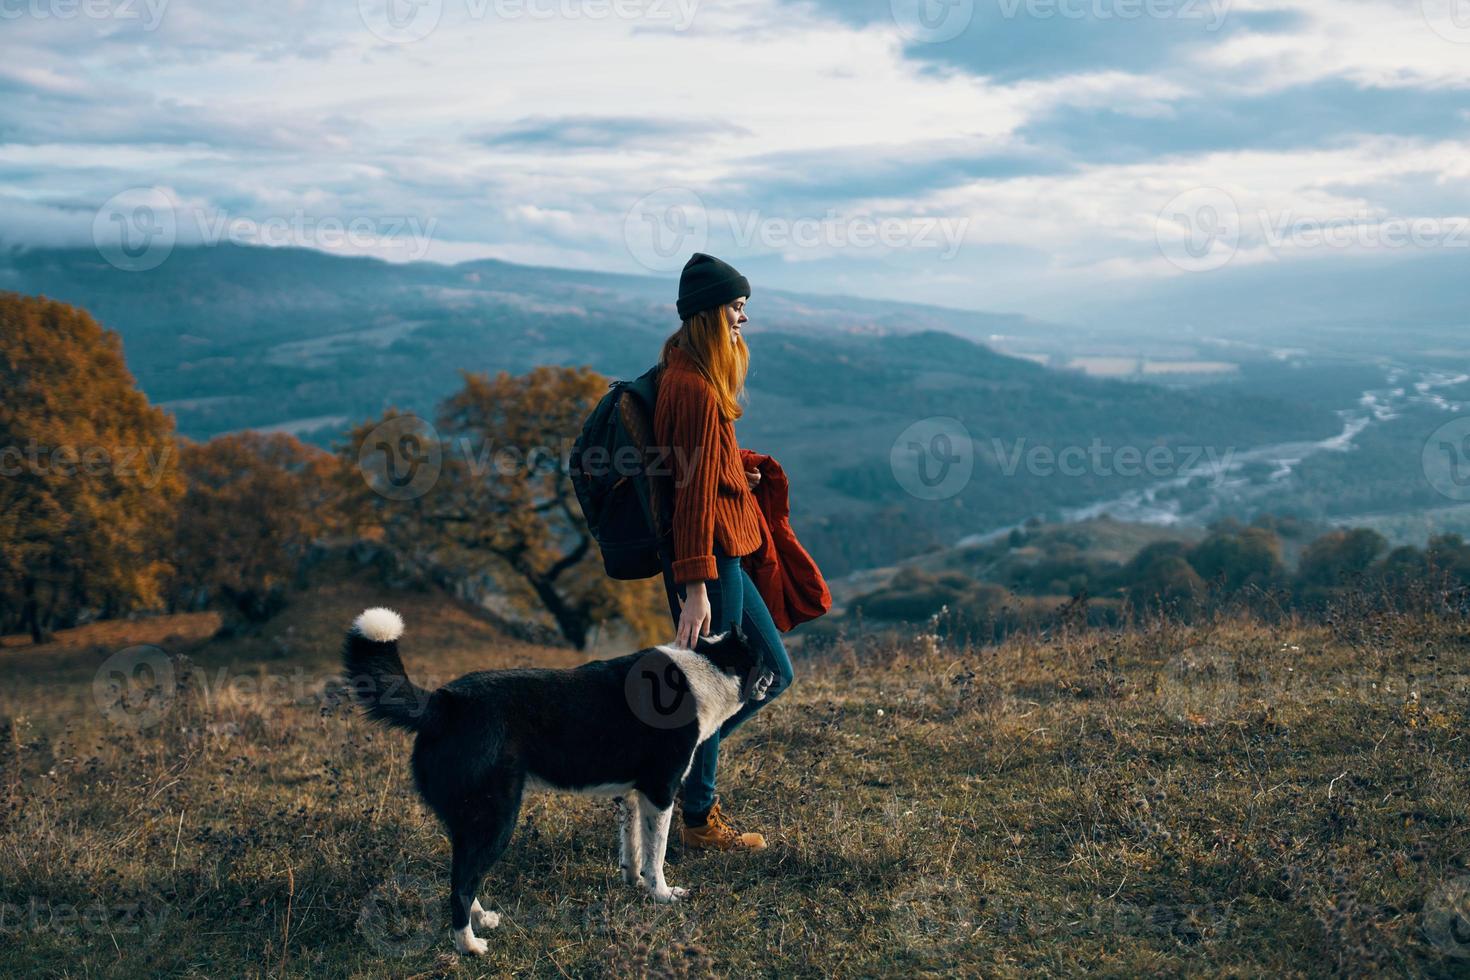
<point>1237,799</point>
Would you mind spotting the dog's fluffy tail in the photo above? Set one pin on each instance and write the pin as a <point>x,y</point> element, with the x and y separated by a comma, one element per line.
<point>375,672</point>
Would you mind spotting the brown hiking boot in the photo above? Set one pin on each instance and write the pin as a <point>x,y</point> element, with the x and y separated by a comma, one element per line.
<point>718,835</point>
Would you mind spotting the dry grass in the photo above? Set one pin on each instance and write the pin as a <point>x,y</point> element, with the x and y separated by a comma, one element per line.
<point>1234,799</point>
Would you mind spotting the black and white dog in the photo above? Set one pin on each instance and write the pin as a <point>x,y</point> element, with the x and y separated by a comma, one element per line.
<point>625,728</point>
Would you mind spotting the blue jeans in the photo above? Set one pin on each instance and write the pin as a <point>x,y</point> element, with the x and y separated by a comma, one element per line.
<point>733,598</point>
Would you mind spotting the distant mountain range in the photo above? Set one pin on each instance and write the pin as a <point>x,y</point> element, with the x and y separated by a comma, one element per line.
<point>238,336</point>
<point>232,337</point>
<point>1410,305</point>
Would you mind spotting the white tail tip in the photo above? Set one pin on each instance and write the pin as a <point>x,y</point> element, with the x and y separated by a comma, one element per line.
<point>379,625</point>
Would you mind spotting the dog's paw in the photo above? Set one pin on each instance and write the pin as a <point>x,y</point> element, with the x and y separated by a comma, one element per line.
<point>485,919</point>
<point>669,895</point>
<point>631,876</point>
<point>468,943</point>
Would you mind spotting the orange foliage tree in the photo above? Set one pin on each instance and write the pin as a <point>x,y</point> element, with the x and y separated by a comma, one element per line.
<point>88,472</point>
<point>254,506</point>
<point>485,494</point>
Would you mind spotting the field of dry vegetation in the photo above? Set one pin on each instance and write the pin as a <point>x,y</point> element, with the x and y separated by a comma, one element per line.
<point>1240,798</point>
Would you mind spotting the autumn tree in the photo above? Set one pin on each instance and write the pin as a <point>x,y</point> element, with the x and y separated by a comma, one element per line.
<point>88,472</point>
<point>485,496</point>
<point>253,507</point>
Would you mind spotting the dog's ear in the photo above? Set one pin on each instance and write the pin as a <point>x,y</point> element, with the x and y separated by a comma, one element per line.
<point>731,650</point>
<point>732,638</point>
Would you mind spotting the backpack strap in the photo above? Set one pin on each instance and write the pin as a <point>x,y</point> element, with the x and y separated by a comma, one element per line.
<point>654,492</point>
<point>645,386</point>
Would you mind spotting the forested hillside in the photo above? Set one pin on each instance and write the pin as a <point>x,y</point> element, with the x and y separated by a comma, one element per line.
<point>292,340</point>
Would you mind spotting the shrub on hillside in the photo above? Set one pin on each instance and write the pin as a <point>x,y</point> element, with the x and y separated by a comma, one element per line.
<point>1340,557</point>
<point>1234,559</point>
<point>1064,570</point>
<point>914,595</point>
<point>1167,580</point>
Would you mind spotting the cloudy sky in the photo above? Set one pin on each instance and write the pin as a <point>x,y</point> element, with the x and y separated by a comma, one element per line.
<point>996,154</point>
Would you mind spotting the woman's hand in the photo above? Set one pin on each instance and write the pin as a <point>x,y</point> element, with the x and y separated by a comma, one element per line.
<point>694,616</point>
<point>753,477</point>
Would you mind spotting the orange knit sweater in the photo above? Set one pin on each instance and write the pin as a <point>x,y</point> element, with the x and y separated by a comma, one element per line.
<point>712,500</point>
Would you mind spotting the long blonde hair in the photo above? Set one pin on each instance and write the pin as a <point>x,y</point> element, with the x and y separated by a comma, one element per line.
<point>705,337</point>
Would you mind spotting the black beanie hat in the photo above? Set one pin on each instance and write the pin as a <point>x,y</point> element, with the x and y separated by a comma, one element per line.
<point>706,282</point>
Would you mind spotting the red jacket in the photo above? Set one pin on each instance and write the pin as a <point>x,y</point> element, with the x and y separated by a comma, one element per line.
<point>784,574</point>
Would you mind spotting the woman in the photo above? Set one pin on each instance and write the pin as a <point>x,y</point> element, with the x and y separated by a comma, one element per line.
<point>715,517</point>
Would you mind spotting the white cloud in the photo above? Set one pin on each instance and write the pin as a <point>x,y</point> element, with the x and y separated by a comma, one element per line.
<point>1397,44</point>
